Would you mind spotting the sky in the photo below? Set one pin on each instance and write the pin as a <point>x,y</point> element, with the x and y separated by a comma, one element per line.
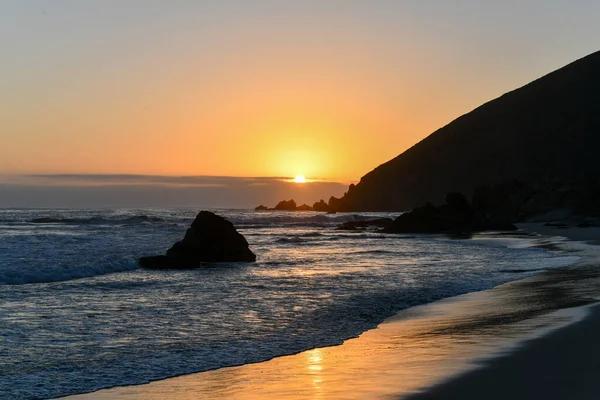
<point>254,88</point>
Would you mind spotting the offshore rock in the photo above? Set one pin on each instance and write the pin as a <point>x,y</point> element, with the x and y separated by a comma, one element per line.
<point>456,216</point>
<point>321,206</point>
<point>286,205</point>
<point>210,238</point>
<point>304,207</point>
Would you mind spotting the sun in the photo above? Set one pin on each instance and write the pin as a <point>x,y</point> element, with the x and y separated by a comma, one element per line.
<point>300,179</point>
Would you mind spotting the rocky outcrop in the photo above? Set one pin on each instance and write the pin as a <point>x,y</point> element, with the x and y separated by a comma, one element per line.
<point>518,200</point>
<point>546,131</point>
<point>320,206</point>
<point>286,205</point>
<point>336,204</point>
<point>456,216</point>
<point>210,238</point>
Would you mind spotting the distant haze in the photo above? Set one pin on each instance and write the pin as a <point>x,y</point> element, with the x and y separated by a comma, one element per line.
<point>105,191</point>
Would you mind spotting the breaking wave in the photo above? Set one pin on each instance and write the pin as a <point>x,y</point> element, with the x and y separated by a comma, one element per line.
<point>57,273</point>
<point>294,219</point>
<point>138,219</point>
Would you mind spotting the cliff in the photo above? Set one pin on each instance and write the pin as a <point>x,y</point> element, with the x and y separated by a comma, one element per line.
<point>545,131</point>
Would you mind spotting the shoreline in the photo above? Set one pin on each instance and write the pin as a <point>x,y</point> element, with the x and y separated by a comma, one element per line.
<point>559,364</point>
<point>420,347</point>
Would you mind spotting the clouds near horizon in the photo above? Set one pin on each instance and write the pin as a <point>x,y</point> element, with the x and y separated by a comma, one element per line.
<point>132,191</point>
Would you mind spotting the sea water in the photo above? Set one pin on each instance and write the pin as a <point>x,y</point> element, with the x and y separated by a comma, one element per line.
<point>77,313</point>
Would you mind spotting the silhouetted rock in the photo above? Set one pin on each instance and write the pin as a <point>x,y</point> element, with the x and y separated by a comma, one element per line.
<point>320,206</point>
<point>335,204</point>
<point>545,134</point>
<point>384,223</point>
<point>521,201</point>
<point>588,223</point>
<point>456,216</point>
<point>458,201</point>
<point>286,205</point>
<point>210,238</point>
<point>289,205</point>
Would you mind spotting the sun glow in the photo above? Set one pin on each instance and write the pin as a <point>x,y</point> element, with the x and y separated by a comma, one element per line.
<point>300,179</point>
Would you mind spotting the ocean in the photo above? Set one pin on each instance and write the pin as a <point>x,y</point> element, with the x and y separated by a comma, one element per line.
<point>77,314</point>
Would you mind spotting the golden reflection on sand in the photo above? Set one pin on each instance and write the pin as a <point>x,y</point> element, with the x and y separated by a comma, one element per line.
<point>314,360</point>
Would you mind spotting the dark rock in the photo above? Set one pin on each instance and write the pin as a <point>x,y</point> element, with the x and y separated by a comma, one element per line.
<point>360,225</point>
<point>321,206</point>
<point>524,201</point>
<point>210,238</point>
<point>584,225</point>
<point>456,216</point>
<point>458,202</point>
<point>289,205</point>
<point>588,223</point>
<point>497,224</point>
<point>335,204</point>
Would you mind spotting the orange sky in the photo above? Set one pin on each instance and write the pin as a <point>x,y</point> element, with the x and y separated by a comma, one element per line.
<point>269,90</point>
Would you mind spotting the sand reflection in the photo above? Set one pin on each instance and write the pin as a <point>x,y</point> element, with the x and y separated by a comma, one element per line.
<point>314,360</point>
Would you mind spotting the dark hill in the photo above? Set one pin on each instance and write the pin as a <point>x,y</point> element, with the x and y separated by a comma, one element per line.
<point>548,130</point>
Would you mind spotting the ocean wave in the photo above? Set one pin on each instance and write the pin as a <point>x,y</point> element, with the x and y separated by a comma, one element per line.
<point>48,274</point>
<point>366,252</point>
<point>519,270</point>
<point>301,238</point>
<point>138,219</point>
<point>294,239</point>
<point>298,220</point>
<point>337,237</point>
<point>311,234</point>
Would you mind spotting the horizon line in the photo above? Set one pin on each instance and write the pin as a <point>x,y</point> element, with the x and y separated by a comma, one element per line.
<point>155,178</point>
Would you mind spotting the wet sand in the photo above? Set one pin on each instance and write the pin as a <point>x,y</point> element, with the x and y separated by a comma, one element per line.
<point>590,234</point>
<point>564,364</point>
<point>466,337</point>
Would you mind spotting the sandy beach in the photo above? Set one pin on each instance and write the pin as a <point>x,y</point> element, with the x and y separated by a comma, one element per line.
<point>560,365</point>
<point>532,338</point>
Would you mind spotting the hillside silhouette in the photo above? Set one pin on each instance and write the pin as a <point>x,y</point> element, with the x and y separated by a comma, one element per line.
<point>546,133</point>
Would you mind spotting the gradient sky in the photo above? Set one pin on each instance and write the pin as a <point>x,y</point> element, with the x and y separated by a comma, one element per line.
<point>328,89</point>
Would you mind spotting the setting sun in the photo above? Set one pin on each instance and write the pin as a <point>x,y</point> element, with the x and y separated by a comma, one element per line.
<point>300,179</point>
